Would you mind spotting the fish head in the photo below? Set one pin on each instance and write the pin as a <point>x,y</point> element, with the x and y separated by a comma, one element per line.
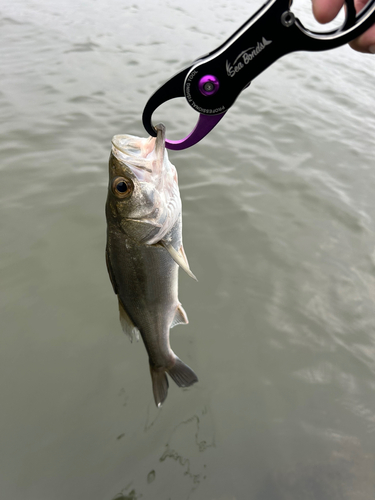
<point>143,196</point>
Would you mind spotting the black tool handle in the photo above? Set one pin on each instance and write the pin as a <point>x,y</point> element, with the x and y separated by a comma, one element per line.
<point>215,80</point>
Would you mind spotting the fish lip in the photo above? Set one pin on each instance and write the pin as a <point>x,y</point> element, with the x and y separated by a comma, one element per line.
<point>160,136</point>
<point>160,142</point>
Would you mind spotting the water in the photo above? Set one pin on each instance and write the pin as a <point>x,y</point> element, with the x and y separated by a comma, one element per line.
<point>278,213</point>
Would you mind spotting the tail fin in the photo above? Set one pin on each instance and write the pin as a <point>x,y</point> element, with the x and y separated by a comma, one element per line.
<point>159,385</point>
<point>179,372</point>
<point>182,374</point>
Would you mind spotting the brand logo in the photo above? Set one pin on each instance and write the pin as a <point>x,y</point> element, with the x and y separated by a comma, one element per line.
<point>245,57</point>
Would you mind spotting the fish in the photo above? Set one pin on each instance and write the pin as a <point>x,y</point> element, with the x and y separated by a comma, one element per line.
<point>144,251</point>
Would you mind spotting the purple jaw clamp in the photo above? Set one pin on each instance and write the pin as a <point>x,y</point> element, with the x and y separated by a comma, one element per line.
<point>204,125</point>
<point>208,85</point>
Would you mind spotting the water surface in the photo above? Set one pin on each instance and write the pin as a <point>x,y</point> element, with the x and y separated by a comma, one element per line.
<point>278,214</point>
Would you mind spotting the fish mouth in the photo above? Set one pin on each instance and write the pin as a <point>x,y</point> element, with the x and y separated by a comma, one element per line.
<point>139,152</point>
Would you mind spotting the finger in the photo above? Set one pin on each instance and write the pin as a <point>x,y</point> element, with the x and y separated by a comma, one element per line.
<point>359,4</point>
<point>326,10</point>
<point>366,42</point>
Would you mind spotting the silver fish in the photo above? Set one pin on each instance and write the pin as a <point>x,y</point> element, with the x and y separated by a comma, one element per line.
<point>144,250</point>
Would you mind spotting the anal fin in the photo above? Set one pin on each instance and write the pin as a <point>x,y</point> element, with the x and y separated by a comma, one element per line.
<point>180,318</point>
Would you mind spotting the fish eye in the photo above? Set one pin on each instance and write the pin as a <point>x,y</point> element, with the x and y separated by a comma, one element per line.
<point>122,187</point>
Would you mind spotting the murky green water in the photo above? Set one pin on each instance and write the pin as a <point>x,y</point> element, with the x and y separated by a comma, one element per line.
<point>278,213</point>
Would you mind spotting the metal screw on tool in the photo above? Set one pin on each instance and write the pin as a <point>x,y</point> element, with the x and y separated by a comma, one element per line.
<point>287,18</point>
<point>208,85</point>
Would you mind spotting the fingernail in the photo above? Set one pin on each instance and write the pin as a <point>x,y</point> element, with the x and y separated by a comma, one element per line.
<point>372,49</point>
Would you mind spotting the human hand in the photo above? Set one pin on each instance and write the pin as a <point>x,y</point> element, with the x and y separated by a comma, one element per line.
<point>326,10</point>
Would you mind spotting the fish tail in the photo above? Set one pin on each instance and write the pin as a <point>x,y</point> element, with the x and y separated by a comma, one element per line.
<point>159,385</point>
<point>182,374</point>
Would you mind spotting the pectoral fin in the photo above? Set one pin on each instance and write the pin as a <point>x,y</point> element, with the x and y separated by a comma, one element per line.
<point>178,256</point>
<point>127,324</point>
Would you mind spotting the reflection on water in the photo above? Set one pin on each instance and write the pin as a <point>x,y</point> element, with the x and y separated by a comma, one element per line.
<point>180,457</point>
<point>347,475</point>
<point>171,453</point>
